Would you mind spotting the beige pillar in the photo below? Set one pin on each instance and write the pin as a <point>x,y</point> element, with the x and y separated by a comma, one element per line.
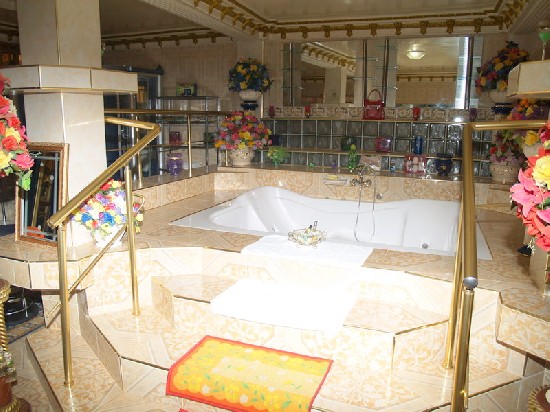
<point>335,85</point>
<point>63,83</point>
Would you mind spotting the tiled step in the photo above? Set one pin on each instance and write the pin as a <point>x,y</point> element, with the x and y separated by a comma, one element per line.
<point>94,389</point>
<point>384,357</point>
<point>184,303</point>
<point>142,349</point>
<point>147,346</point>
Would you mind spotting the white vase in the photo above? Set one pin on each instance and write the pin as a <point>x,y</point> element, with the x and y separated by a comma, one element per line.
<point>102,241</point>
<point>249,95</point>
<point>241,157</point>
<point>503,172</point>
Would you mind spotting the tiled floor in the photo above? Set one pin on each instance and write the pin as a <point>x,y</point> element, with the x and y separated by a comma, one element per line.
<point>507,273</point>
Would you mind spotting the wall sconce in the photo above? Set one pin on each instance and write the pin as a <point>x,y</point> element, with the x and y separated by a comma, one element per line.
<point>415,54</point>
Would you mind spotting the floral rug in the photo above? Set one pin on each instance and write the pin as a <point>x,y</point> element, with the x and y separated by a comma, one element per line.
<point>240,377</point>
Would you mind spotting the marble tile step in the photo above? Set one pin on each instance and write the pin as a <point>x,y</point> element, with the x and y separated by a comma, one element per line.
<point>141,349</point>
<point>184,300</point>
<point>94,388</point>
<point>376,315</point>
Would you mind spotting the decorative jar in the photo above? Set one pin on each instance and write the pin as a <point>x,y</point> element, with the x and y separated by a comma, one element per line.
<point>503,172</point>
<point>241,157</point>
<point>174,163</point>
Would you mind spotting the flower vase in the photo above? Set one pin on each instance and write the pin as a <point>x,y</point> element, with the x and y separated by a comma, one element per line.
<point>241,157</point>
<point>538,264</point>
<point>503,172</point>
<point>250,99</point>
<point>101,241</point>
<point>502,104</point>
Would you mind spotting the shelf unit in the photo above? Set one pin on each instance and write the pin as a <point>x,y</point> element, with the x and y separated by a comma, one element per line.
<point>203,128</point>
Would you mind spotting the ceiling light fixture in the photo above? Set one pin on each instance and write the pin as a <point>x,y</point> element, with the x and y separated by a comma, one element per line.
<point>415,54</point>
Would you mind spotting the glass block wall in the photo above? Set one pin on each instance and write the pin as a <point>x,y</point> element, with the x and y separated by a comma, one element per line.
<point>319,142</point>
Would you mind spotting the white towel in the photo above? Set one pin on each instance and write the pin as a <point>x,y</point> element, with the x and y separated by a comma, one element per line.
<point>325,253</point>
<point>285,304</point>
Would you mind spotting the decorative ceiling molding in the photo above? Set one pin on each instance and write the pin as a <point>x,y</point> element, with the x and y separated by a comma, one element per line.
<point>496,19</point>
<point>158,37</point>
<point>329,55</point>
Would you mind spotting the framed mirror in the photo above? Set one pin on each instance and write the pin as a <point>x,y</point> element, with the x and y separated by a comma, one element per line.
<point>47,193</point>
<point>425,71</point>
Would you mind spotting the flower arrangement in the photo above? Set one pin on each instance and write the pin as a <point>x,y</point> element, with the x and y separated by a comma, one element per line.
<point>249,74</point>
<point>277,154</point>
<point>14,155</point>
<point>240,130</point>
<point>104,211</point>
<point>527,109</point>
<point>532,196</point>
<point>506,149</point>
<point>494,73</point>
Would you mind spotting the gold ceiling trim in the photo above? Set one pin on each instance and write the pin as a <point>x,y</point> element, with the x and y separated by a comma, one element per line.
<point>159,40</point>
<point>329,55</point>
<point>250,20</point>
<point>213,3</point>
<point>167,32</point>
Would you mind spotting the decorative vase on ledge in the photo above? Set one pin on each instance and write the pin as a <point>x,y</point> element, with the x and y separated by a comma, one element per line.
<point>250,99</point>
<point>102,241</point>
<point>241,157</point>
<point>502,104</point>
<point>503,172</point>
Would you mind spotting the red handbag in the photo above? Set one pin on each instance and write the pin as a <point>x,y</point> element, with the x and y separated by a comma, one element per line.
<point>374,109</point>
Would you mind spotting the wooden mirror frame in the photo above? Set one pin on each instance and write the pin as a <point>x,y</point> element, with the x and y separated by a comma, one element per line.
<point>41,192</point>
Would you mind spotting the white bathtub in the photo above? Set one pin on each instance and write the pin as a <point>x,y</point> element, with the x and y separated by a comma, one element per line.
<point>416,225</point>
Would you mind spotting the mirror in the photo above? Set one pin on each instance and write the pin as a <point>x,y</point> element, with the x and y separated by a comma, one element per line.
<point>47,193</point>
<point>426,71</point>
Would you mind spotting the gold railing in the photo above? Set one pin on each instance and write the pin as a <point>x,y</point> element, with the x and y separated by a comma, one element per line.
<point>465,275</point>
<point>60,219</point>
<point>159,114</point>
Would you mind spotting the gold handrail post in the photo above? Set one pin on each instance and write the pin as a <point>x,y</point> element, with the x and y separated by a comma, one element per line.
<point>130,229</point>
<point>455,300</point>
<point>189,155</point>
<point>64,299</point>
<point>460,389</point>
<point>460,386</point>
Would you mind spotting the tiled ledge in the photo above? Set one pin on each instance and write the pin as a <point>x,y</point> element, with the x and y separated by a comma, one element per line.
<point>312,181</point>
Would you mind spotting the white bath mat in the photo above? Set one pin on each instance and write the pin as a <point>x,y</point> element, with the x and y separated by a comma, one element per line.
<point>284,304</point>
<point>325,253</point>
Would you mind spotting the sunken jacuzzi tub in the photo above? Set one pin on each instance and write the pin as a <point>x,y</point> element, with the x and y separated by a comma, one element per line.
<point>414,225</point>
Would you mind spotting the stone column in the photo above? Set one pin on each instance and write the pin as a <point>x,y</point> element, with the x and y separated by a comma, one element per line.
<point>63,84</point>
<point>335,85</point>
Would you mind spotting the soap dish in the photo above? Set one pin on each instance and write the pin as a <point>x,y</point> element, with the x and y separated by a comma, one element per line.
<point>307,237</point>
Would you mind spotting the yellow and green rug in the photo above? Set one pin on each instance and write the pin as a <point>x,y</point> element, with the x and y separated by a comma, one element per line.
<point>241,377</point>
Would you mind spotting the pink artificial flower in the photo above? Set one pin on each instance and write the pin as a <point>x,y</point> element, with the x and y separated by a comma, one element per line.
<point>24,161</point>
<point>527,193</point>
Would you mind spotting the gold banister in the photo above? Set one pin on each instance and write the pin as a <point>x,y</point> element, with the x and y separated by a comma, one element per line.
<point>467,281</point>
<point>59,220</point>
<point>62,214</point>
